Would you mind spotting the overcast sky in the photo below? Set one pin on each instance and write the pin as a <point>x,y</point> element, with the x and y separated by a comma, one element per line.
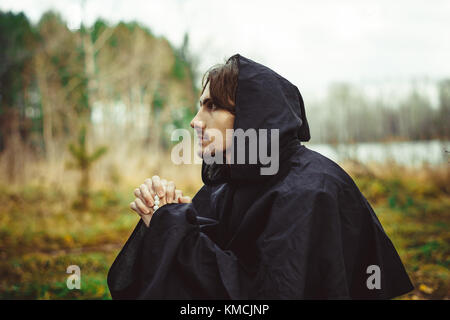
<point>311,43</point>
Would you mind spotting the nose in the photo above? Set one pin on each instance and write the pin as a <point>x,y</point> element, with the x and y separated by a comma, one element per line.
<point>198,127</point>
<point>197,124</point>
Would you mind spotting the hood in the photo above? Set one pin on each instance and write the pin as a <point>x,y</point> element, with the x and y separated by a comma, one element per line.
<point>264,100</point>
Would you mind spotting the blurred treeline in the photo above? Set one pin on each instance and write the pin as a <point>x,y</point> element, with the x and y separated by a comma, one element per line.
<point>128,89</point>
<point>348,115</point>
<point>120,83</point>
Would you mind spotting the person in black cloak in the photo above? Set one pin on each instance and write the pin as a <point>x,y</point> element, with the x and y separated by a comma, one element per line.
<point>305,232</point>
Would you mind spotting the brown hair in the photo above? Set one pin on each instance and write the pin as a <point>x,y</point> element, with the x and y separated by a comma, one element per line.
<point>223,79</point>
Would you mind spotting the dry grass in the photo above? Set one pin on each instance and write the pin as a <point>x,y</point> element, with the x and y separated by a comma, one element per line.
<point>41,233</point>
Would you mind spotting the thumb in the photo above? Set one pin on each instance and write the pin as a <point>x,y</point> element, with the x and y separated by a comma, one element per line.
<point>185,199</point>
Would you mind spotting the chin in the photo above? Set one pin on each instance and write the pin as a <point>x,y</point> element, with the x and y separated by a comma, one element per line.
<point>203,150</point>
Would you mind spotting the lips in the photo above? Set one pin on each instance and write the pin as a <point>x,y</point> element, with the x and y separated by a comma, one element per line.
<point>202,139</point>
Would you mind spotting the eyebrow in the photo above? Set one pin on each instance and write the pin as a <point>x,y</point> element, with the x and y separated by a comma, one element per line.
<point>204,101</point>
<point>221,107</point>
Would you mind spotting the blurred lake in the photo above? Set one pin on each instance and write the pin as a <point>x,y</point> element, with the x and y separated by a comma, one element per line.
<point>409,153</point>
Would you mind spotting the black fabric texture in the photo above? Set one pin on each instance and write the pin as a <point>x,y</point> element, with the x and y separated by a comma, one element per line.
<point>306,232</point>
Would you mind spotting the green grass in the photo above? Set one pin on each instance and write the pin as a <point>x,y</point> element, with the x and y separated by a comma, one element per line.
<point>43,276</point>
<point>414,209</point>
<point>41,234</point>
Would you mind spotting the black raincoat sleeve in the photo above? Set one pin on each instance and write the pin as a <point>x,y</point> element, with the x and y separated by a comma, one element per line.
<point>174,259</point>
<point>310,248</point>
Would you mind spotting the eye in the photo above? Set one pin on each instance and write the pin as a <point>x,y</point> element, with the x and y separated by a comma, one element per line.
<point>211,106</point>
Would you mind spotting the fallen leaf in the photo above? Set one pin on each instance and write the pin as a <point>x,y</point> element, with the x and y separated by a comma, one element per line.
<point>425,289</point>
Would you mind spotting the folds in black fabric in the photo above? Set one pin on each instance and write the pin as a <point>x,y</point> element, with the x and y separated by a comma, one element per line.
<point>307,250</point>
<point>173,259</point>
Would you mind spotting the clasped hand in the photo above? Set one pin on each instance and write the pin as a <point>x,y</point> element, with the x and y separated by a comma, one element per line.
<point>153,194</point>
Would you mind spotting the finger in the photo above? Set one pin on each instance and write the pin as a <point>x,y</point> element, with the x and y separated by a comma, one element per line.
<point>157,186</point>
<point>142,207</point>
<point>164,198</point>
<point>178,195</point>
<point>135,208</point>
<point>149,184</point>
<point>146,194</point>
<point>138,194</point>
<point>170,192</point>
<point>185,199</point>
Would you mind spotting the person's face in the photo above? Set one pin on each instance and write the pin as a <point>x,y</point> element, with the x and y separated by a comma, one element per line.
<point>208,118</point>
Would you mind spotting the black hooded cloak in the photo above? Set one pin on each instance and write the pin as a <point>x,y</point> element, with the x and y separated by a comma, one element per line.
<point>305,232</point>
